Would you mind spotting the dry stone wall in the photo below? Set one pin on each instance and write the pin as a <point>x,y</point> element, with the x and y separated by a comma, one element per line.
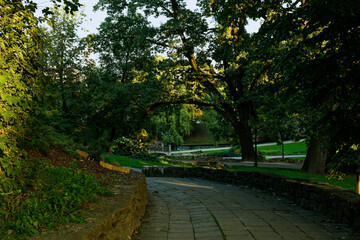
<point>113,218</point>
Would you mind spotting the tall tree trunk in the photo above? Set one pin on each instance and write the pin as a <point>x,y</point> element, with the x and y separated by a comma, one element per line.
<point>243,131</point>
<point>316,156</point>
<point>246,143</point>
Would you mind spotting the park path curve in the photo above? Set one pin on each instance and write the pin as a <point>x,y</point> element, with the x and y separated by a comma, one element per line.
<point>182,209</point>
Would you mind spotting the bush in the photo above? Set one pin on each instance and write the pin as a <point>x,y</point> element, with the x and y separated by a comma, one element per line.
<point>127,147</point>
<point>232,152</point>
<point>227,154</point>
<point>344,162</point>
<point>261,156</point>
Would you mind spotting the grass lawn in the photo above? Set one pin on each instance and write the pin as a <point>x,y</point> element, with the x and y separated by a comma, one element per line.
<point>301,158</point>
<point>215,151</point>
<point>347,182</point>
<point>137,163</point>
<point>289,148</point>
<point>199,151</point>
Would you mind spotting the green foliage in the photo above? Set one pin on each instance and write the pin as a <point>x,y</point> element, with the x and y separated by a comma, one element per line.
<point>314,61</point>
<point>128,147</point>
<point>173,124</point>
<point>56,196</point>
<point>220,128</point>
<point>19,50</point>
<point>232,152</point>
<point>344,161</point>
<point>204,65</point>
<point>227,154</point>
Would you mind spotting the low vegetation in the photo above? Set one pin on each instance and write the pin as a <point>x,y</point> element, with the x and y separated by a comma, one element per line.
<point>344,182</point>
<point>53,196</point>
<point>289,148</point>
<point>139,163</point>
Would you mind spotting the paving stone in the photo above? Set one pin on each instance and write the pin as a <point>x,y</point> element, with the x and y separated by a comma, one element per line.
<point>183,209</point>
<point>153,235</point>
<point>179,221</point>
<point>207,234</point>
<point>210,238</point>
<point>293,235</point>
<point>206,224</point>
<point>181,236</point>
<point>239,238</point>
<point>235,232</point>
<point>206,229</point>
<point>188,228</point>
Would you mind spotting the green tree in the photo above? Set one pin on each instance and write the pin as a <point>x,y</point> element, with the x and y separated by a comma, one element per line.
<point>219,128</point>
<point>173,124</point>
<point>212,59</point>
<point>64,53</point>
<point>311,48</point>
<point>20,49</point>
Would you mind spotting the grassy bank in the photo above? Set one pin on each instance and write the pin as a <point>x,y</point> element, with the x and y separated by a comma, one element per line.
<point>138,163</point>
<point>53,196</point>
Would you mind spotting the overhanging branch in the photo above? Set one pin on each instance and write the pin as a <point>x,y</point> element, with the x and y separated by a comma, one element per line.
<point>197,103</point>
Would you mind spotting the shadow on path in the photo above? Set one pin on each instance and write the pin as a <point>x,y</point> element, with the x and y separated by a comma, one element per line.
<point>183,209</point>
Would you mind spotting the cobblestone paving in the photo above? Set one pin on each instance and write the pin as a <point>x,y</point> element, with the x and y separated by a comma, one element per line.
<point>188,209</point>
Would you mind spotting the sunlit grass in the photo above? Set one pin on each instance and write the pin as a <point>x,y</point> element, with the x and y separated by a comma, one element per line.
<point>347,182</point>
<point>289,148</point>
<point>137,163</point>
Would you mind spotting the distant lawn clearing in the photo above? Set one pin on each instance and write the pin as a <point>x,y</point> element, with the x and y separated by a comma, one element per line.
<point>347,182</point>
<point>289,148</point>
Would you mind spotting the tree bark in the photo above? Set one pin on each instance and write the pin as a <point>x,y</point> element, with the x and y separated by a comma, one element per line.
<point>243,131</point>
<point>246,143</point>
<point>316,156</point>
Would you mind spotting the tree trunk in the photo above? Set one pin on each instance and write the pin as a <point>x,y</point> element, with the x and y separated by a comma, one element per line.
<point>316,156</point>
<point>246,143</point>
<point>243,131</point>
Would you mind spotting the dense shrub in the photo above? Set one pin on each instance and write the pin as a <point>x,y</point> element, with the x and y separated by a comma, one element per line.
<point>345,162</point>
<point>127,147</point>
<point>232,152</point>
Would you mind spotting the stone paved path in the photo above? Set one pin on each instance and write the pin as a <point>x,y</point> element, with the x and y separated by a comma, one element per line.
<point>183,209</point>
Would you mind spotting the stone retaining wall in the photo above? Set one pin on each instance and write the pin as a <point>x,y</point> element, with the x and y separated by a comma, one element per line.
<point>337,203</point>
<point>113,218</point>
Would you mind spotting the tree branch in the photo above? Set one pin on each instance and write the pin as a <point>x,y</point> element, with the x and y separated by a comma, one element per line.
<point>198,103</point>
